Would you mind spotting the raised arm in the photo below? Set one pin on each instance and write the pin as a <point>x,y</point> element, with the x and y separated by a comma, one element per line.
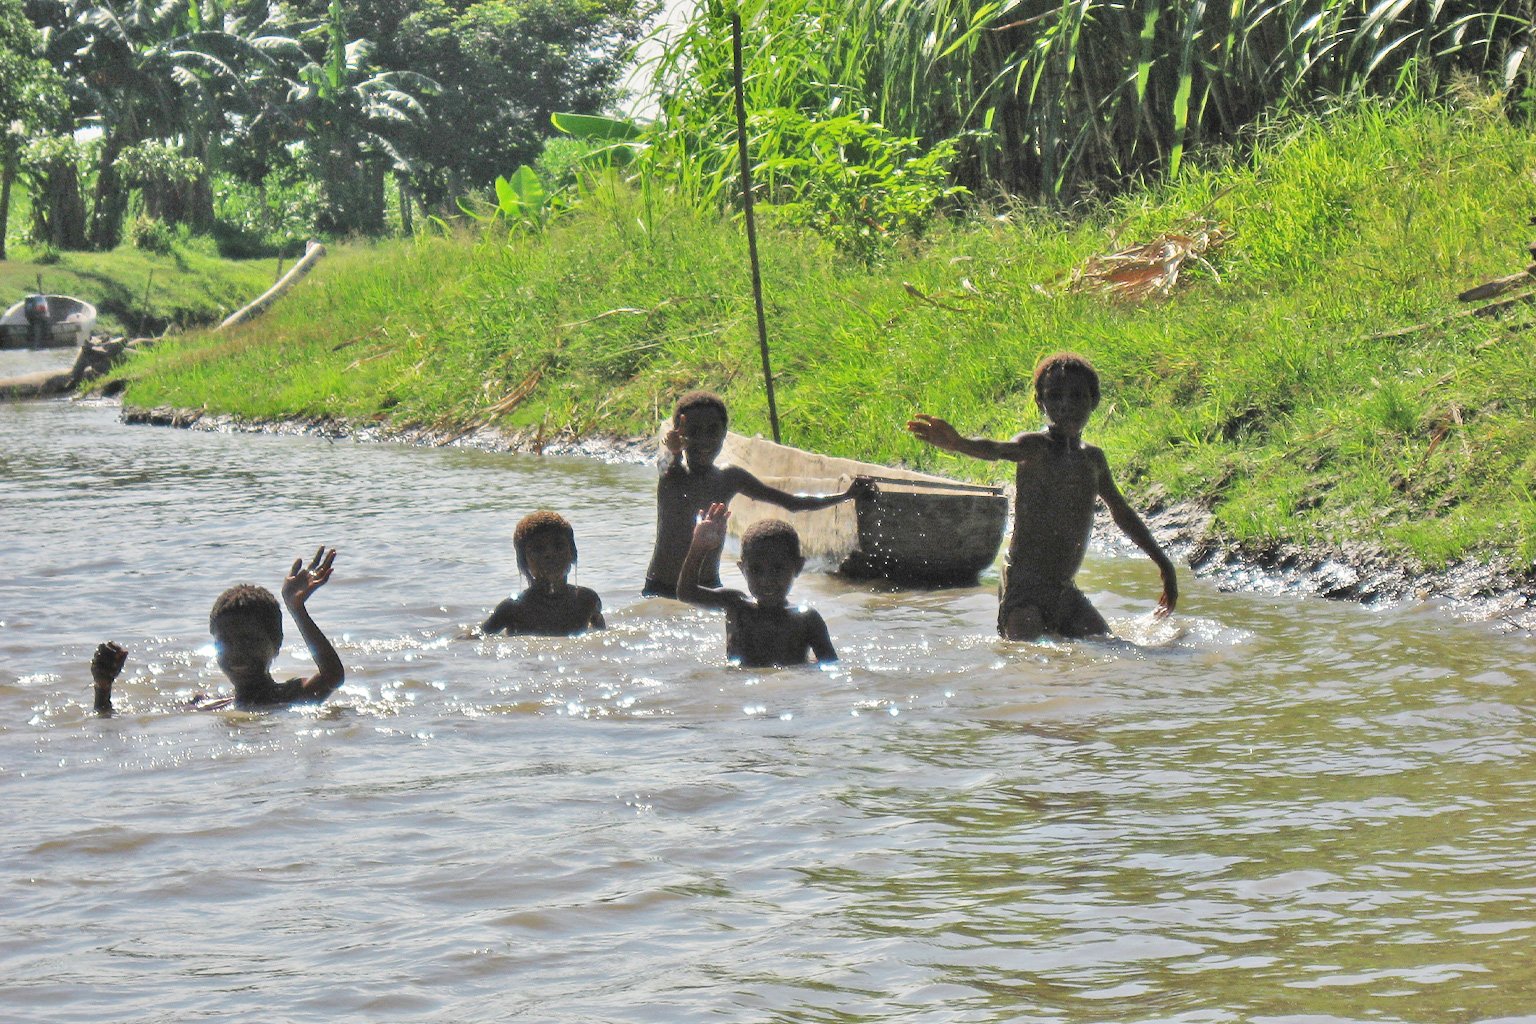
<point>1133,527</point>
<point>708,539</point>
<point>941,434</point>
<point>670,458</point>
<point>300,584</point>
<point>750,486</point>
<point>106,664</point>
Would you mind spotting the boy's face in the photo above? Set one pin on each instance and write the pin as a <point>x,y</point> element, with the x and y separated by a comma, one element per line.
<point>548,556</point>
<point>244,646</point>
<point>703,430</point>
<point>1067,400</point>
<point>770,571</point>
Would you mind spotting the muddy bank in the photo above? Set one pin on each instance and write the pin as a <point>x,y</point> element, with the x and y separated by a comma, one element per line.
<point>1504,595</point>
<point>488,439</point>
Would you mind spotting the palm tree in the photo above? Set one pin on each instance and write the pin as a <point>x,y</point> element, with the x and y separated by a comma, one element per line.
<point>159,69</point>
<point>349,115</point>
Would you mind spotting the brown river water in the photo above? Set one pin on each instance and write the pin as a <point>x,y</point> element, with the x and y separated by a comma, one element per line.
<point>1270,809</point>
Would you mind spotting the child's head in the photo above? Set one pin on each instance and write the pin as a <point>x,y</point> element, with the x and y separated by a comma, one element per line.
<point>770,559</point>
<point>702,419</point>
<point>545,546</point>
<point>698,400</point>
<point>1066,388</point>
<point>247,626</point>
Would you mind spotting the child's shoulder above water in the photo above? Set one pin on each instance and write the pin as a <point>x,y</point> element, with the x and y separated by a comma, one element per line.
<point>562,610</point>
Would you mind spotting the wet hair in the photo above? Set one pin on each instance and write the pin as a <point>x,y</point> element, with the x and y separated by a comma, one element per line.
<point>766,533</point>
<point>1067,364</point>
<point>534,523</point>
<point>251,601</point>
<point>700,400</point>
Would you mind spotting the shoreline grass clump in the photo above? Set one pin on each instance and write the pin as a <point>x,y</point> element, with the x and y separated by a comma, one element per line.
<point>1264,386</point>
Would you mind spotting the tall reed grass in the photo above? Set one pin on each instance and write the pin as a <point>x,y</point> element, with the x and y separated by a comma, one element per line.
<point>1059,98</point>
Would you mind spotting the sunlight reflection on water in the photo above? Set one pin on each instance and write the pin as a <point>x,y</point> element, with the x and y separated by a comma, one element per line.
<point>1267,809</point>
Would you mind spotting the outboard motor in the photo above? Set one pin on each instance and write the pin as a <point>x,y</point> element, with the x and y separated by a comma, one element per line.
<point>35,309</point>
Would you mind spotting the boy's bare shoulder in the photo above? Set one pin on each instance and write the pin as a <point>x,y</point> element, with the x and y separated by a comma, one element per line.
<point>1032,445</point>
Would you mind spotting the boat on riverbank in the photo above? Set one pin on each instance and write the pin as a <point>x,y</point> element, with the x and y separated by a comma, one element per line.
<point>917,529</point>
<point>70,323</point>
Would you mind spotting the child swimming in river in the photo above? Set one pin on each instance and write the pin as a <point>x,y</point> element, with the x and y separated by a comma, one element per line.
<point>762,630</point>
<point>247,628</point>
<point>1059,479</point>
<point>545,546</point>
<point>691,482</point>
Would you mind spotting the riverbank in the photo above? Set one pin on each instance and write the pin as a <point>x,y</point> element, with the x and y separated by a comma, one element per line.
<point>1473,590</point>
<point>1312,382</point>
<point>139,293</point>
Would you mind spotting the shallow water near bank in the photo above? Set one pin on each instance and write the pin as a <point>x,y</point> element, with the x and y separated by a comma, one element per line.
<point>1271,809</point>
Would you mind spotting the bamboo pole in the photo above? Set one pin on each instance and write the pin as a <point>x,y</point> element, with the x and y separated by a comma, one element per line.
<point>746,203</point>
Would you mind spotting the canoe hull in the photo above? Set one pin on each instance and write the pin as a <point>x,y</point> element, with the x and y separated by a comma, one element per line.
<point>927,538</point>
<point>918,530</point>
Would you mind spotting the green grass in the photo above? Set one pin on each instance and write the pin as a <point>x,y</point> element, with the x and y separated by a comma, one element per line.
<point>138,292</point>
<point>1263,393</point>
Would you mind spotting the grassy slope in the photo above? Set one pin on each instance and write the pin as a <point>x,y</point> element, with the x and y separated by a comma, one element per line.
<point>183,287</point>
<point>1263,392</point>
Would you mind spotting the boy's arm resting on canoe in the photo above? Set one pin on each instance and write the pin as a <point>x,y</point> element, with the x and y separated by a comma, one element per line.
<point>941,434</point>
<point>708,538</point>
<point>749,486</point>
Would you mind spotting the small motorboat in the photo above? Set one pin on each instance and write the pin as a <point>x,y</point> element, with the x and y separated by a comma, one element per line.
<point>47,321</point>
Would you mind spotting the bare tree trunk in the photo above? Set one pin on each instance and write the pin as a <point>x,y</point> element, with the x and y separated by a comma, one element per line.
<point>406,227</point>
<point>6,178</point>
<point>58,211</point>
<point>111,199</point>
<point>199,212</point>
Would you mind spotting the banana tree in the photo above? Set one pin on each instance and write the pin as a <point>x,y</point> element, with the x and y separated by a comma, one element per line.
<point>350,116</point>
<point>156,70</point>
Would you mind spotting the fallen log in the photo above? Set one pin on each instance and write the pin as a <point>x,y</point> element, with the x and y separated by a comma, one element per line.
<point>95,359</point>
<point>1499,286</point>
<point>42,384</point>
<point>312,254</point>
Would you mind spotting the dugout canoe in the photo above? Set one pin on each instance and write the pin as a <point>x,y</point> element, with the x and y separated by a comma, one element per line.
<point>918,530</point>
<point>70,323</point>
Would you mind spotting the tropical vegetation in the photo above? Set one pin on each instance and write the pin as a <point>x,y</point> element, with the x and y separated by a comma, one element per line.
<point>262,124</point>
<point>1314,381</point>
<point>931,176</point>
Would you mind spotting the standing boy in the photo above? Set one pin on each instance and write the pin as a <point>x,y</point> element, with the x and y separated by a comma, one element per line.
<point>1058,481</point>
<point>691,482</point>
<point>762,630</point>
